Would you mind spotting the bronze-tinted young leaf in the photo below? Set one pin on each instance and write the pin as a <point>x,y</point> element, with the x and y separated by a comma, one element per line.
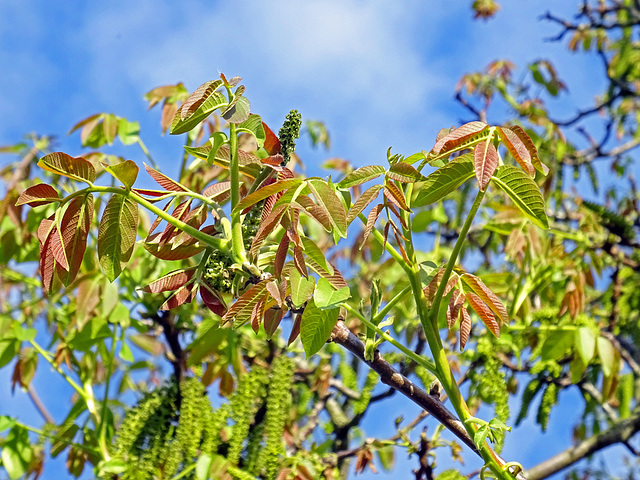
<point>198,97</point>
<point>484,312</point>
<point>219,191</point>
<point>169,110</point>
<point>272,319</point>
<point>465,327</point>
<point>36,195</point>
<point>523,192</point>
<point>240,312</point>
<point>257,313</point>
<point>281,256</point>
<point>403,172</point>
<point>117,235</point>
<point>82,123</point>
<point>169,251</point>
<point>313,251</point>
<point>266,227</point>
<point>295,330</point>
<point>453,310</point>
<point>318,213</point>
<point>371,221</point>
<point>460,138</point>
<point>326,197</point>
<point>267,191</point>
<point>479,288</point>
<point>361,175</point>
<point>74,229</point>
<point>184,294</point>
<point>164,181</point>
<point>180,212</point>
<point>212,300</point>
<point>126,172</point>
<point>363,201</point>
<point>150,193</point>
<point>170,281</point>
<point>485,157</point>
<point>47,260</point>
<point>335,279</point>
<point>517,149</point>
<point>76,168</point>
<point>271,142</point>
<point>182,125</point>
<point>395,196</point>
<point>445,180</point>
<point>533,151</point>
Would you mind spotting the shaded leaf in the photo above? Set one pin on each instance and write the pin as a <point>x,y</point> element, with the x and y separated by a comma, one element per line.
<point>184,294</point>
<point>170,281</point>
<point>240,312</point>
<point>212,300</point>
<point>316,326</point>
<point>238,110</point>
<point>36,195</point>
<point>272,319</point>
<point>117,235</point>
<point>445,180</point>
<point>62,164</point>
<point>524,193</point>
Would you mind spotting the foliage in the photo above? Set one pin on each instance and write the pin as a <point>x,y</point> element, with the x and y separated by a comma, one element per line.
<point>254,281</point>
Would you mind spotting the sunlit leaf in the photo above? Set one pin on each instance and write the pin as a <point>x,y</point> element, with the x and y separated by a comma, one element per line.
<point>238,110</point>
<point>164,181</point>
<point>371,221</point>
<point>403,172</point>
<point>486,160</point>
<point>76,168</point>
<point>361,175</point>
<point>170,281</point>
<point>184,294</point>
<point>254,126</point>
<point>462,137</point>
<point>445,180</point>
<point>484,312</point>
<point>517,149</point>
<point>395,196</point>
<point>316,326</point>
<point>607,355</point>
<point>465,327</point>
<point>240,312</point>
<point>197,107</point>
<point>312,250</point>
<point>326,196</point>
<point>531,148</point>
<point>491,299</point>
<point>271,142</point>
<point>117,235</point>
<point>585,340</point>
<point>524,193</point>
<point>267,191</point>
<point>326,296</point>
<point>301,287</point>
<point>74,229</point>
<point>363,201</point>
<point>126,172</point>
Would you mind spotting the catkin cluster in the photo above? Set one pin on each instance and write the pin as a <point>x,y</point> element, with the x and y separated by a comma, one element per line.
<point>288,134</point>
<point>217,271</point>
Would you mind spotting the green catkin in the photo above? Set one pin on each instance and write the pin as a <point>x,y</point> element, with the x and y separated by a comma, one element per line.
<point>625,394</point>
<point>348,376</point>
<point>360,405</point>
<point>613,222</point>
<point>214,422</point>
<point>239,474</point>
<point>288,134</point>
<point>278,405</point>
<point>251,224</point>
<point>549,398</point>
<point>253,460</point>
<point>244,403</point>
<point>527,397</point>
<point>217,273</point>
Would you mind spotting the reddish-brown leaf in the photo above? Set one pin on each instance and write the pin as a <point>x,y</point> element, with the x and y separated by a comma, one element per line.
<point>170,281</point>
<point>271,142</point>
<point>533,151</point>
<point>47,265</point>
<point>275,293</point>
<point>184,294</point>
<point>266,227</point>
<point>484,312</point>
<point>164,181</point>
<point>256,314</point>
<point>212,300</point>
<point>157,221</point>
<point>180,212</point>
<point>62,164</point>
<point>74,229</point>
<point>272,319</point>
<point>458,137</point>
<point>465,327</point>
<point>395,196</point>
<point>240,312</point>
<point>169,251</point>
<point>168,112</point>
<point>295,330</point>
<point>453,309</point>
<point>36,195</point>
<point>336,279</point>
<point>327,198</point>
<point>298,260</point>
<point>318,213</point>
<point>150,193</point>
<point>485,159</point>
<point>517,149</point>
<point>479,288</point>
<point>363,201</point>
<point>281,256</point>
<point>267,191</point>
<point>371,221</point>
<point>219,191</point>
<point>57,248</point>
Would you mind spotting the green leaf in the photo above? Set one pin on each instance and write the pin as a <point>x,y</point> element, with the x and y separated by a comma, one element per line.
<point>6,422</point>
<point>326,296</point>
<point>361,175</point>
<point>313,251</point>
<point>182,124</point>
<point>267,191</point>
<point>117,235</point>
<point>93,332</point>
<point>301,287</point>
<point>23,334</point>
<point>76,168</point>
<point>556,345</point>
<point>607,355</point>
<point>126,172</point>
<point>524,193</point>
<point>316,326</point>
<point>253,125</point>
<point>403,172</point>
<point>481,435</point>
<point>445,180</point>
<point>585,340</point>
<point>16,452</point>
<point>128,132</point>
<point>238,111</point>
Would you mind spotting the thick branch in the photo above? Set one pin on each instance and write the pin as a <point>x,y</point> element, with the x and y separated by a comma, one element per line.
<point>619,433</point>
<point>390,376</point>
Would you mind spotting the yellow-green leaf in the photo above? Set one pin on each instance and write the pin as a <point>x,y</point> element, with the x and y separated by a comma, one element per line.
<point>445,180</point>
<point>76,168</point>
<point>117,235</point>
<point>524,193</point>
<point>316,326</point>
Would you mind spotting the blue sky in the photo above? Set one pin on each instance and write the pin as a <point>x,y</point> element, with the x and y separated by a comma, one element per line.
<point>378,73</point>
